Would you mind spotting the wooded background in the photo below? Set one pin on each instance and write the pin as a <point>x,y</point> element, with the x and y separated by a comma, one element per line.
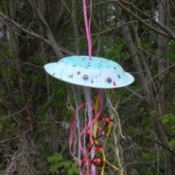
<point>34,117</point>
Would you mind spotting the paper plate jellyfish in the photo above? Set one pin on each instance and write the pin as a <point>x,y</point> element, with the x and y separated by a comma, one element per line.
<point>91,121</point>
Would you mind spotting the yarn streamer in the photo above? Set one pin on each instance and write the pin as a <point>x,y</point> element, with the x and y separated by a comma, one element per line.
<point>97,127</point>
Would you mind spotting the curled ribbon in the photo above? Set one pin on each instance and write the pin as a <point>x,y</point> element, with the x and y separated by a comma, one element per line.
<point>101,128</point>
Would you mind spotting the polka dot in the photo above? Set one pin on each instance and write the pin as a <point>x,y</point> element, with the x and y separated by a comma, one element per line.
<point>114,67</point>
<point>78,73</point>
<point>85,77</point>
<point>109,80</point>
<point>70,76</point>
<point>119,76</point>
<point>114,83</point>
<point>92,81</point>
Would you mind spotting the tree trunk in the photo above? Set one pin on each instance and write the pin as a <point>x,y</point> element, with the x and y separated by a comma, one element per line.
<point>47,29</point>
<point>163,18</point>
<point>25,129</point>
<point>154,93</point>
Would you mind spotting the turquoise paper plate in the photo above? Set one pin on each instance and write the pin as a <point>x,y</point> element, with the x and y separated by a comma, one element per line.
<point>97,72</point>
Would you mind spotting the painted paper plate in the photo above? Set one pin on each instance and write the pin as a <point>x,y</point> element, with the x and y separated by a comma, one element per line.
<point>97,72</point>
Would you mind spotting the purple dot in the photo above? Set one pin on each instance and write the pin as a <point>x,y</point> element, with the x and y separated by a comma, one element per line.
<point>85,77</point>
<point>119,76</point>
<point>109,80</point>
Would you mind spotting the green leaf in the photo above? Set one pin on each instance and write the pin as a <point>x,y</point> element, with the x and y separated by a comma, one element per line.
<point>172,143</point>
<point>70,171</point>
<point>50,159</point>
<point>165,120</point>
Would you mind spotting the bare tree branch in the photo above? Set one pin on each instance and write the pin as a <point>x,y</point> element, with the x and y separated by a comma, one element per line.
<point>31,33</point>
<point>24,29</point>
<point>160,25</point>
<point>47,29</point>
<point>75,27</point>
<point>141,20</point>
<point>164,32</point>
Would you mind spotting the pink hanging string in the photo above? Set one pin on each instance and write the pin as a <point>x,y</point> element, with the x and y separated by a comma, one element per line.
<point>88,154</point>
<point>88,26</point>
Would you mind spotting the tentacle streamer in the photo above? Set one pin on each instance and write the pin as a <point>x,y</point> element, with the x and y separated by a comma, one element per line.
<point>98,126</point>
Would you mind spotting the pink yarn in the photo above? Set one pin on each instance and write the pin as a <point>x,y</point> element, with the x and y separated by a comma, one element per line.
<point>90,123</point>
<point>86,161</point>
<point>88,27</point>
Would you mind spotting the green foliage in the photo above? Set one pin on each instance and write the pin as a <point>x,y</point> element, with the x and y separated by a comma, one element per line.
<point>1,8</point>
<point>58,164</point>
<point>145,5</point>
<point>171,54</point>
<point>172,143</point>
<point>22,170</point>
<point>149,156</point>
<point>5,50</point>
<point>4,125</point>
<point>149,159</point>
<point>116,49</point>
<point>169,121</point>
